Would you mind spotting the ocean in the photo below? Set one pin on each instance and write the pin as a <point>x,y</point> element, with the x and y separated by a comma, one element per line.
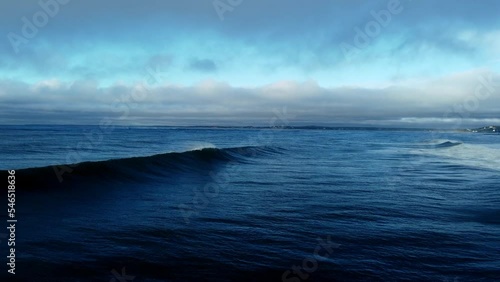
<point>251,204</point>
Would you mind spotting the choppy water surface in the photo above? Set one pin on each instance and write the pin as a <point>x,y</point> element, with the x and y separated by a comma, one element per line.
<point>199,204</point>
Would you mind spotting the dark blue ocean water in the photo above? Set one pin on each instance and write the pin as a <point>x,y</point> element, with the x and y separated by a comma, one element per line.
<point>207,204</point>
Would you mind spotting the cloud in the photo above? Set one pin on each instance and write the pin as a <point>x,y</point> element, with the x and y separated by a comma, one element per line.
<point>468,98</point>
<point>264,54</point>
<point>204,65</point>
<point>286,36</point>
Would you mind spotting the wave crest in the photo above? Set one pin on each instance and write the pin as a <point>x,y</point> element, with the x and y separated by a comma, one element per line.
<point>135,168</point>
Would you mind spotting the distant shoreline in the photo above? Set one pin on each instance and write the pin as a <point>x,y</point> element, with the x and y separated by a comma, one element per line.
<point>485,129</point>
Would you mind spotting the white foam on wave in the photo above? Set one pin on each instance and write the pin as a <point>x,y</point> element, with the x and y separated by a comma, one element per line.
<point>482,156</point>
<point>196,146</point>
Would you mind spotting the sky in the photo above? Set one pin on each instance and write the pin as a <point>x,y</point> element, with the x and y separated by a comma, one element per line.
<point>239,62</point>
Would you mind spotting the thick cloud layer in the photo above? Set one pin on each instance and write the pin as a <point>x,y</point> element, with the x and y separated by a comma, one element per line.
<point>388,62</point>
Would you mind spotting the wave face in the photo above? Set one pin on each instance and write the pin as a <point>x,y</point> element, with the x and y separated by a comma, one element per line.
<point>448,144</point>
<point>136,168</point>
